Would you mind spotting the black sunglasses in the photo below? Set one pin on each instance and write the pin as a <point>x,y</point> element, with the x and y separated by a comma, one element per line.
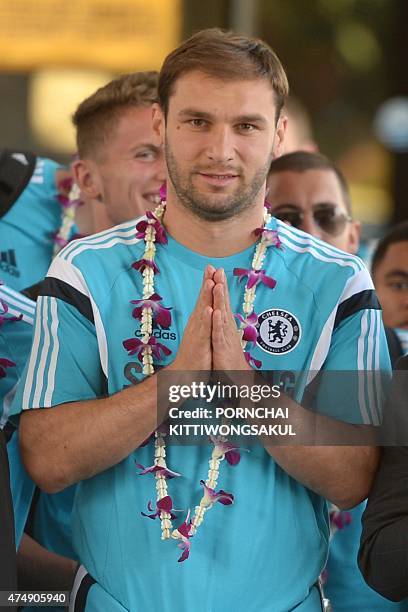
<point>331,219</point>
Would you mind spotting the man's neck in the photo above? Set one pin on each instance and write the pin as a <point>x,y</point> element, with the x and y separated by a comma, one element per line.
<point>215,239</point>
<point>91,217</point>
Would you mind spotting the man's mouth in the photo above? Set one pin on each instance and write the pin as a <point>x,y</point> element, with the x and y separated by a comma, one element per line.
<point>218,179</point>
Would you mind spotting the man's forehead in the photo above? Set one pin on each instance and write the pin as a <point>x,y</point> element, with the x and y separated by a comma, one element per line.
<point>307,186</point>
<point>133,123</point>
<point>210,87</point>
<point>396,256</point>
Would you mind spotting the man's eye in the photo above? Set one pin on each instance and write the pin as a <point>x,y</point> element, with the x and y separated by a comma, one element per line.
<point>399,285</point>
<point>197,122</point>
<point>246,127</point>
<point>146,155</point>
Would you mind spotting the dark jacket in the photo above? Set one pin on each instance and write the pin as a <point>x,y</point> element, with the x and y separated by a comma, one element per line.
<point>383,555</point>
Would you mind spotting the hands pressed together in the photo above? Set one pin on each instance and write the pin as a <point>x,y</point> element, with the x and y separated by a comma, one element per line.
<point>211,340</point>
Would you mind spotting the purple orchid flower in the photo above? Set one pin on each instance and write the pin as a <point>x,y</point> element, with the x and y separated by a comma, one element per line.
<point>63,200</point>
<point>152,220</point>
<point>65,184</point>
<point>211,496</point>
<point>254,363</point>
<point>248,324</point>
<point>340,518</point>
<point>161,314</point>
<point>66,202</point>
<point>186,531</point>
<point>163,192</point>
<point>142,264</point>
<point>135,347</point>
<point>164,471</point>
<point>271,237</point>
<point>5,363</point>
<point>185,544</point>
<point>59,240</point>
<point>7,319</point>
<point>254,277</point>
<point>230,452</point>
<point>165,504</point>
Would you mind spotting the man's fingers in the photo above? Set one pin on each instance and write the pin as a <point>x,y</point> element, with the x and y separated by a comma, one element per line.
<point>206,294</point>
<point>209,272</point>
<point>217,336</point>
<point>218,296</point>
<point>227,299</point>
<point>207,322</point>
<point>220,278</point>
<point>219,275</point>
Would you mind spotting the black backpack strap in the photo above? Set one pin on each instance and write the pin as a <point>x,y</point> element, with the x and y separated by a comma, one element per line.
<point>16,169</point>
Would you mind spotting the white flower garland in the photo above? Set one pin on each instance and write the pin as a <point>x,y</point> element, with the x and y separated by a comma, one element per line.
<point>148,369</point>
<point>68,219</point>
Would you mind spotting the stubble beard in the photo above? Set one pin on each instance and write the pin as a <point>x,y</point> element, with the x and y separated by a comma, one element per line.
<point>202,205</point>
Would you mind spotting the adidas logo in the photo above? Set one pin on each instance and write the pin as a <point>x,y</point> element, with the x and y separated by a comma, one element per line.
<point>163,334</point>
<point>8,262</point>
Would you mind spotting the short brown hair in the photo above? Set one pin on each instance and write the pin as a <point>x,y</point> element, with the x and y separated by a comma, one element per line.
<point>224,55</point>
<point>301,161</point>
<point>97,116</point>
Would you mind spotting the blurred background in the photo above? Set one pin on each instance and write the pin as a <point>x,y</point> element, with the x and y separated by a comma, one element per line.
<point>345,59</point>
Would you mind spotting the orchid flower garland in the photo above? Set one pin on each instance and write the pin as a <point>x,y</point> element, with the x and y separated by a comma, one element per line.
<point>69,204</point>
<point>6,363</point>
<point>149,310</point>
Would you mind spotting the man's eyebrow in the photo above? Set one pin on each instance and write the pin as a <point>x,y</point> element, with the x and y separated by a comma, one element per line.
<point>288,205</point>
<point>145,145</point>
<point>396,272</point>
<point>199,114</point>
<point>255,118</point>
<point>194,112</point>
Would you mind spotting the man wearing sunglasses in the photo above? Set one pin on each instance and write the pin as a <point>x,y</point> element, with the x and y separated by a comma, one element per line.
<point>307,191</point>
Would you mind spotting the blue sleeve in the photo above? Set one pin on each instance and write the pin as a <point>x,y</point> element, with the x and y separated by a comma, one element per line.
<point>357,369</point>
<point>44,176</point>
<point>352,377</point>
<point>15,343</point>
<point>64,363</point>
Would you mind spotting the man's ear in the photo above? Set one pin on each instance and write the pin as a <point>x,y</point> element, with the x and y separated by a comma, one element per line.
<point>278,147</point>
<point>159,123</point>
<point>86,176</point>
<point>354,236</point>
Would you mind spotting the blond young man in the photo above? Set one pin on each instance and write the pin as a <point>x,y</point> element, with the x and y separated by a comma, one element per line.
<point>120,166</point>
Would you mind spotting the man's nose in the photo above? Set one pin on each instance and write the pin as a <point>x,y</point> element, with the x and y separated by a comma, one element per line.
<point>310,226</point>
<point>221,144</point>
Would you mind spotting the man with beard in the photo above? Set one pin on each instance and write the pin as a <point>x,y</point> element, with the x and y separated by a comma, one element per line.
<point>180,268</point>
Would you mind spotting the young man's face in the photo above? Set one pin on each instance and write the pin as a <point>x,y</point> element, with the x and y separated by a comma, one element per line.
<point>220,137</point>
<point>391,284</point>
<point>313,201</point>
<point>131,169</point>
